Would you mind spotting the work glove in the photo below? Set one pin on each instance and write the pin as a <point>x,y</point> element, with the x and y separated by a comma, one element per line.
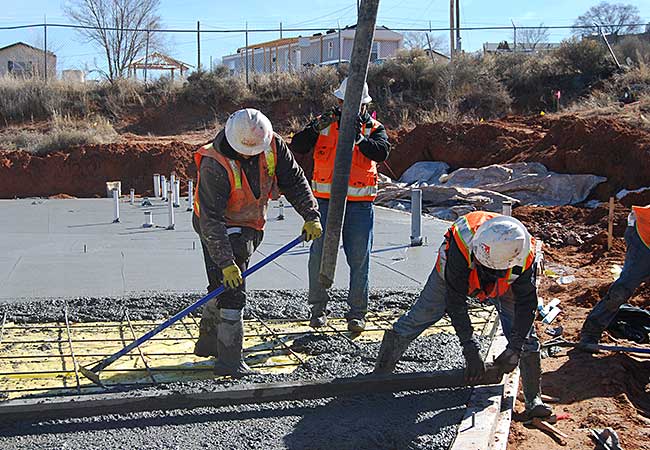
<point>474,365</point>
<point>358,126</point>
<point>507,361</point>
<point>232,276</point>
<point>326,119</point>
<point>312,229</point>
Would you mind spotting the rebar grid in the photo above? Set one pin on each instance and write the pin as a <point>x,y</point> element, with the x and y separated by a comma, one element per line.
<point>482,319</point>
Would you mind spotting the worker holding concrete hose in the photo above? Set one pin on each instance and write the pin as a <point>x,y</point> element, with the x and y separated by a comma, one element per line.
<point>636,269</point>
<point>237,174</point>
<point>489,257</point>
<point>371,147</point>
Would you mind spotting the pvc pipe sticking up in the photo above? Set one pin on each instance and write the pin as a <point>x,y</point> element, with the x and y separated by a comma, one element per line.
<point>116,206</point>
<point>170,196</point>
<point>190,195</point>
<point>163,185</point>
<point>148,220</point>
<point>507,208</point>
<point>132,196</point>
<point>416,217</point>
<point>281,210</point>
<point>156,185</point>
<point>172,182</point>
<point>177,193</point>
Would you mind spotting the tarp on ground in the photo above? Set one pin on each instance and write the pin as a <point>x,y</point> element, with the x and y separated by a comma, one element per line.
<point>486,188</point>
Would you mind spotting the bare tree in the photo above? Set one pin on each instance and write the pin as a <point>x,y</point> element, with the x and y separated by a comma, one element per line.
<point>530,38</point>
<point>117,28</point>
<point>615,18</point>
<point>416,39</point>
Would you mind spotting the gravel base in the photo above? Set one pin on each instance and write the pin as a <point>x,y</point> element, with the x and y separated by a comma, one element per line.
<point>407,420</point>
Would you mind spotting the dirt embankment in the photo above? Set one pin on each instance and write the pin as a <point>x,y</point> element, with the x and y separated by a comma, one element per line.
<point>566,144</point>
<point>83,171</point>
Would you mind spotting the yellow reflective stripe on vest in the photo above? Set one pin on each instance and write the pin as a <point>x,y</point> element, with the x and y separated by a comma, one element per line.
<point>236,172</point>
<point>270,161</point>
<point>325,188</point>
<point>465,233</point>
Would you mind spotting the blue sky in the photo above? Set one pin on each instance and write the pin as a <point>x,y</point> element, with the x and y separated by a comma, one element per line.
<point>74,53</point>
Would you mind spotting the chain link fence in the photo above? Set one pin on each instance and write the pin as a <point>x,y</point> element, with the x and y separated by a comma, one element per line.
<point>58,51</point>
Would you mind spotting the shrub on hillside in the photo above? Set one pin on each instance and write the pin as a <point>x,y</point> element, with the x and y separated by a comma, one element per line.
<point>633,51</point>
<point>63,133</point>
<point>215,88</point>
<point>586,57</point>
<point>32,99</point>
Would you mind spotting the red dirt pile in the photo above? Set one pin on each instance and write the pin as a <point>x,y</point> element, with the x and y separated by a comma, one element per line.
<point>565,144</point>
<point>83,171</point>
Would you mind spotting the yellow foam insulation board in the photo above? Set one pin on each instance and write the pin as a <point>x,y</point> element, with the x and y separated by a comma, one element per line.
<point>38,359</point>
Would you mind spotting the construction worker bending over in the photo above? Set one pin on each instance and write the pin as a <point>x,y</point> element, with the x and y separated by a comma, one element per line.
<point>371,146</point>
<point>237,173</point>
<point>635,270</point>
<point>489,257</point>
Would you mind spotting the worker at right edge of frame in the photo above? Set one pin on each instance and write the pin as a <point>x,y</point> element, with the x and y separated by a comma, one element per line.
<point>636,269</point>
<point>371,147</point>
<point>492,258</point>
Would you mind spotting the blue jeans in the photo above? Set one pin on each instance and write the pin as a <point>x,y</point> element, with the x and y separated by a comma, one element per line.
<point>431,306</point>
<point>635,270</point>
<point>357,243</point>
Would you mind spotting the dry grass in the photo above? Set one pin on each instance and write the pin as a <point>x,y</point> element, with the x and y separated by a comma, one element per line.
<point>59,134</point>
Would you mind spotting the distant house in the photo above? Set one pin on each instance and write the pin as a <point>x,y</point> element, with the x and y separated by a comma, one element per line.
<point>295,53</point>
<point>522,47</point>
<point>24,60</point>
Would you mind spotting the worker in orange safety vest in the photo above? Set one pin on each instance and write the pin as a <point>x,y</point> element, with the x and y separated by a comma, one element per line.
<point>237,174</point>
<point>491,258</point>
<point>636,269</point>
<point>371,147</point>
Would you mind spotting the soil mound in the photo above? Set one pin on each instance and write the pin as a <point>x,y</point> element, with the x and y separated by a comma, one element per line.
<point>83,171</point>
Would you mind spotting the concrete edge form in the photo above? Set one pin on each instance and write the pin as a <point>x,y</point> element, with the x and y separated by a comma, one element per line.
<point>101,404</point>
<point>487,418</point>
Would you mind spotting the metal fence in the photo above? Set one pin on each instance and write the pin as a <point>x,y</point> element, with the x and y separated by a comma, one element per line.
<point>62,51</point>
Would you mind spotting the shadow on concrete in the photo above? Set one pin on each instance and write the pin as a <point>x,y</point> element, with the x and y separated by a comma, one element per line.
<point>380,421</point>
<point>90,225</point>
<point>356,422</point>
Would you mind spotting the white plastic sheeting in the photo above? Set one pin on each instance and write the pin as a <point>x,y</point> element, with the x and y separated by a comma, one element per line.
<point>449,196</point>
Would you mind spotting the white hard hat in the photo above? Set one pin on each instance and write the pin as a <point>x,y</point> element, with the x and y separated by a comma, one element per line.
<point>249,131</point>
<point>500,243</point>
<point>340,92</point>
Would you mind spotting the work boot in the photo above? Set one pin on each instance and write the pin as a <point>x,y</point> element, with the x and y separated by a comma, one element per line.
<point>318,317</point>
<point>530,366</point>
<point>230,340</point>
<point>356,325</point>
<point>392,348</point>
<point>589,337</point>
<point>206,345</point>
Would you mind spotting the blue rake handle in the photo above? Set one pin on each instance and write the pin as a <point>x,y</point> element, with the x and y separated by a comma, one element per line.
<point>92,373</point>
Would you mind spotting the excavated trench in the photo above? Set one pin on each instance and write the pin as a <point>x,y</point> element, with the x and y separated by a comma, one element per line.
<point>414,420</point>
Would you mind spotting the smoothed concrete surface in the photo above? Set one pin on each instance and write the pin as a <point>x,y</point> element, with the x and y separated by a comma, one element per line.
<point>71,248</point>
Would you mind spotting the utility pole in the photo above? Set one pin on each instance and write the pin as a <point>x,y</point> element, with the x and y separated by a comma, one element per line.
<point>452,38</point>
<point>363,38</point>
<point>246,50</point>
<point>458,44</point>
<point>280,30</point>
<point>146,58</point>
<point>45,49</point>
<point>514,35</point>
<point>198,45</point>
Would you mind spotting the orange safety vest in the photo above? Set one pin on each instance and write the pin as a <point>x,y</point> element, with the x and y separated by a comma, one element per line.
<point>242,209</point>
<point>462,232</point>
<point>642,217</point>
<point>362,185</point>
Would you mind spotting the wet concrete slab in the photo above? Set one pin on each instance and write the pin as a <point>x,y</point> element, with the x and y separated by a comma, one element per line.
<point>71,248</point>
